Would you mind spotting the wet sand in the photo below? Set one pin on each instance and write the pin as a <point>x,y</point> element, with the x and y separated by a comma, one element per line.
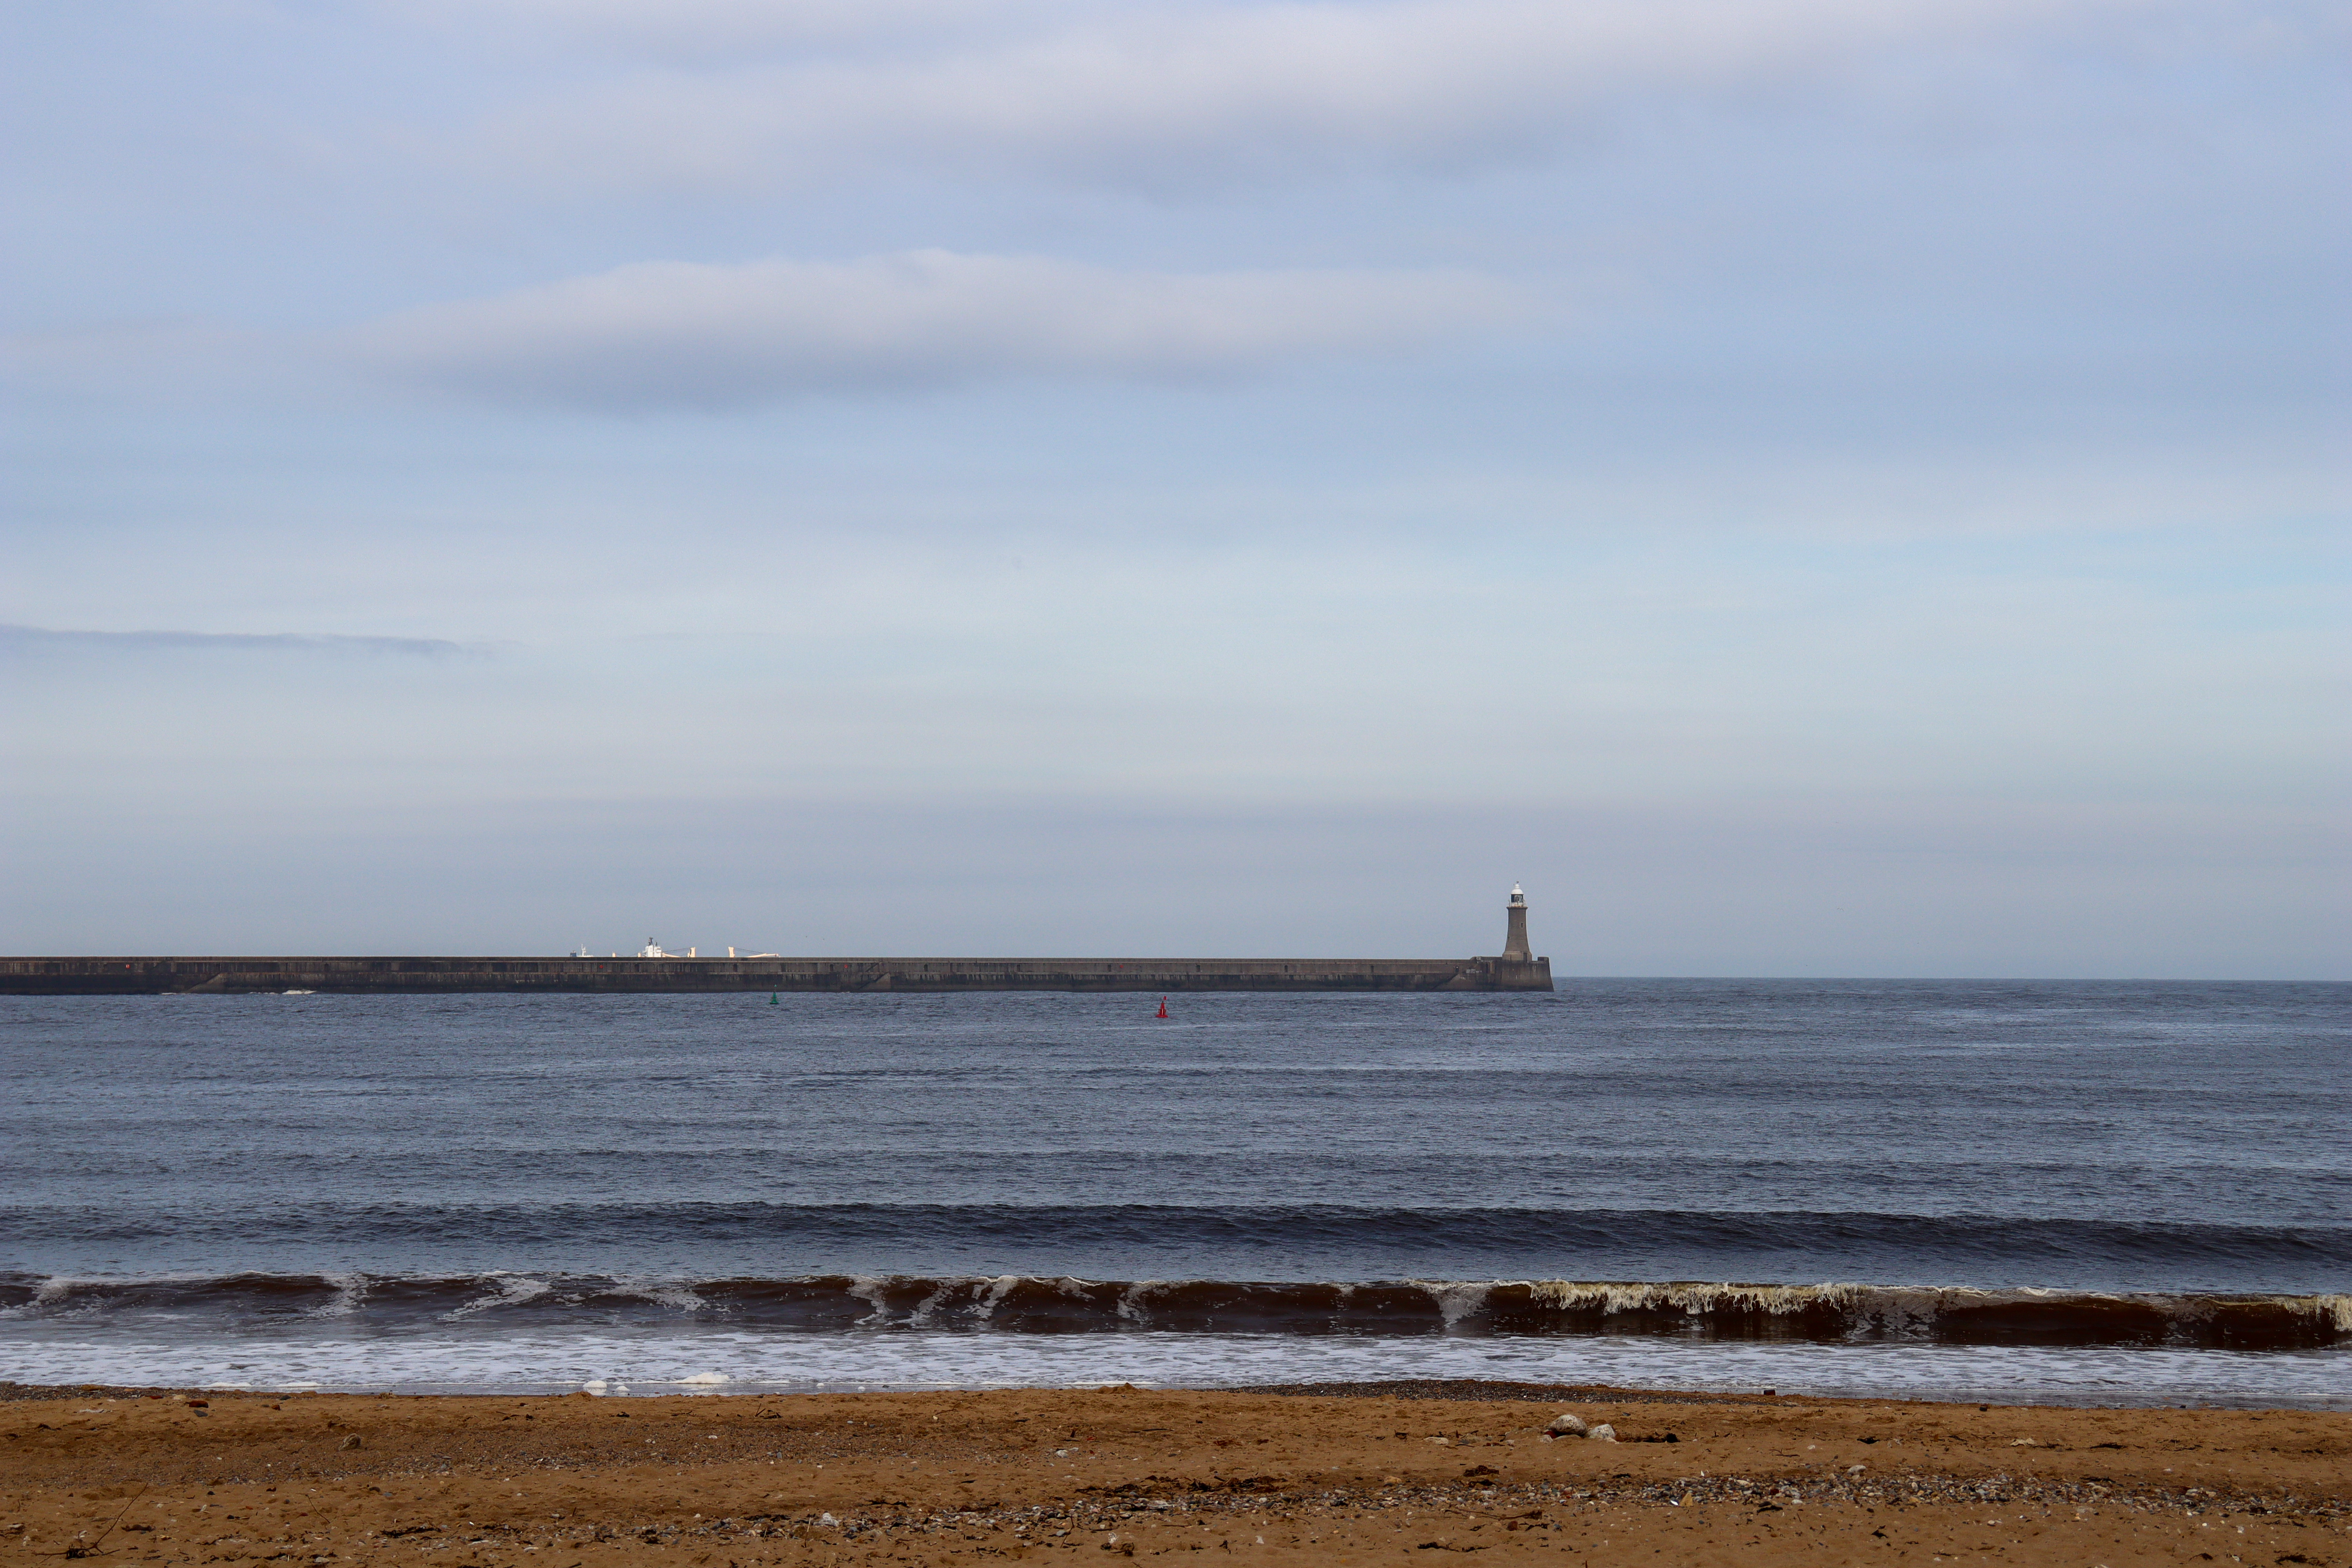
<point>1337,1475</point>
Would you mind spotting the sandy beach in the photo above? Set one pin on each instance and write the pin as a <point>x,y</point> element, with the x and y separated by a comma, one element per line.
<point>1340,1475</point>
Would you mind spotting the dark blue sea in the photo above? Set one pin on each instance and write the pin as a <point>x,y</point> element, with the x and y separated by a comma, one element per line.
<point>2090,1193</point>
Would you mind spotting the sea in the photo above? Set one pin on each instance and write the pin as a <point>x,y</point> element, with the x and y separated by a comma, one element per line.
<point>2074,1192</point>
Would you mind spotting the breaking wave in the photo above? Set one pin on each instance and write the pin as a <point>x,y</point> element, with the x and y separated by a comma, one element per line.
<point>680,1240</point>
<point>1022,1304</point>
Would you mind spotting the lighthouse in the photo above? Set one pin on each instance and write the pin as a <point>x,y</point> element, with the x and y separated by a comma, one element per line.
<point>1515,935</point>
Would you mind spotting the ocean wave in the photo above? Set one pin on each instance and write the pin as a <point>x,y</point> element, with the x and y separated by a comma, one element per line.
<point>1222,1241</point>
<point>1826,1314</point>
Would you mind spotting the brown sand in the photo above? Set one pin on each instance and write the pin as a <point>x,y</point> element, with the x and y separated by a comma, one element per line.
<point>941,1478</point>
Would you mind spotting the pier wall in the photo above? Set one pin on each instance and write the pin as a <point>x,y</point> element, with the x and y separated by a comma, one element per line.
<point>131,977</point>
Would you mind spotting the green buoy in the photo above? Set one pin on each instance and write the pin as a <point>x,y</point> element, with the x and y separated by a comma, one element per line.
<point>772,998</point>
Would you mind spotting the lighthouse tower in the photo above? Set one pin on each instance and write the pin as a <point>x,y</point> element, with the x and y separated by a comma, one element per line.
<point>1515,937</point>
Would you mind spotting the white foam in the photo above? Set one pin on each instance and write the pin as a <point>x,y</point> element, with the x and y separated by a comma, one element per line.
<point>676,1297</point>
<point>45,1298</point>
<point>1693,1299</point>
<point>1135,1301</point>
<point>1457,1299</point>
<point>920,1318</point>
<point>1001,1287</point>
<point>867,1288</point>
<point>350,1289</point>
<point>512,1290</point>
<point>708,1359</point>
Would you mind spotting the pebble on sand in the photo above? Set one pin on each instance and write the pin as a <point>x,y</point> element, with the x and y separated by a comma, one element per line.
<point>1567,1425</point>
<point>1604,1433</point>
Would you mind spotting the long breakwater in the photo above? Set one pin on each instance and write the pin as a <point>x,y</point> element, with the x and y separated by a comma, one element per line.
<point>131,977</point>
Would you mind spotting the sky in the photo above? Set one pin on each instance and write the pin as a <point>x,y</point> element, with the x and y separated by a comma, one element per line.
<point>1805,487</point>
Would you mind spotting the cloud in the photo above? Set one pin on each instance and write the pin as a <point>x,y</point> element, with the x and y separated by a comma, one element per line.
<point>683,334</point>
<point>17,640</point>
<point>1174,94</point>
<point>706,29</point>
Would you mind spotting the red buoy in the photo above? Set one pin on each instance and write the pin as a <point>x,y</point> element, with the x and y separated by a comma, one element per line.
<point>1163,1009</point>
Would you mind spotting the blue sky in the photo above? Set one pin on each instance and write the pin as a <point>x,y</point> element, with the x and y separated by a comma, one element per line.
<point>1806,487</point>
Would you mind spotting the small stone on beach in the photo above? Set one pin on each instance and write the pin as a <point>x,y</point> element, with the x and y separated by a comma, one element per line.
<point>1566,1425</point>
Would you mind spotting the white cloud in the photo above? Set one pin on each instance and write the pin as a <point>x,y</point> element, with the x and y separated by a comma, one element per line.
<point>1169,94</point>
<point>676,334</point>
